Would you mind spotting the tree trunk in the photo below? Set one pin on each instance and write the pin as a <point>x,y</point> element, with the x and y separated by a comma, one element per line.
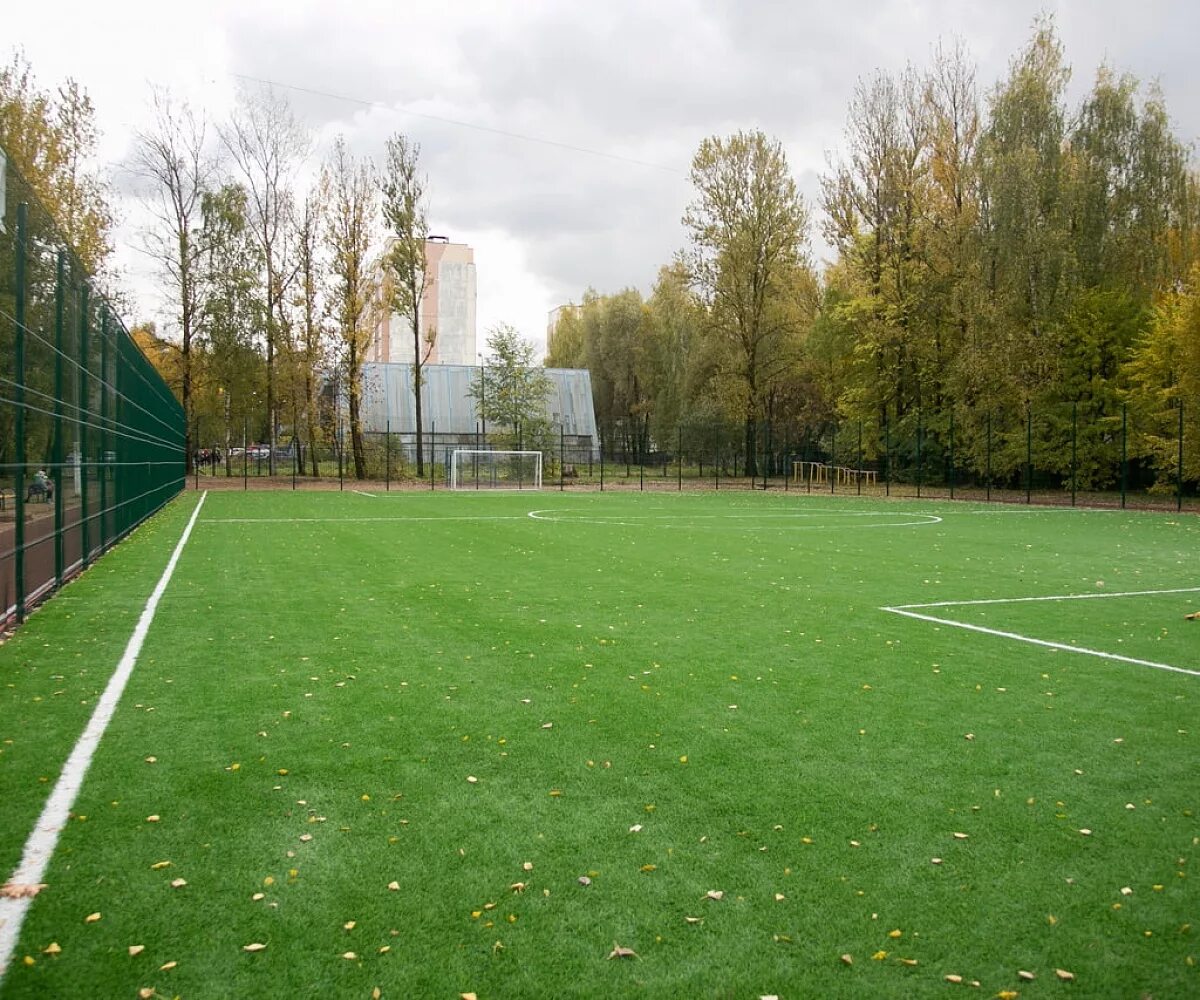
<point>416,328</point>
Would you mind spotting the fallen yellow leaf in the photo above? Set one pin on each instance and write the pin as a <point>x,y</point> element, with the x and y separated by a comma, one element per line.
<point>255,946</point>
<point>167,966</point>
<point>879,956</point>
<point>847,959</point>
<point>160,865</point>
<point>619,952</point>
<point>52,949</point>
<point>91,918</point>
<point>136,949</point>
<point>1064,975</point>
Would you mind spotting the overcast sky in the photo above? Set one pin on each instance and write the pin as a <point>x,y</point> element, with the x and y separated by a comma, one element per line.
<point>621,92</point>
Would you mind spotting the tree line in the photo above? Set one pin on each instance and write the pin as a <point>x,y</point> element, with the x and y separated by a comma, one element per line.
<point>997,254</point>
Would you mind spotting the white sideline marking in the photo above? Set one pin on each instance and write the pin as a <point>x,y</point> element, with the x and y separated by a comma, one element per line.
<point>44,838</point>
<point>399,519</point>
<point>686,519</point>
<point>906,610</point>
<point>364,493</point>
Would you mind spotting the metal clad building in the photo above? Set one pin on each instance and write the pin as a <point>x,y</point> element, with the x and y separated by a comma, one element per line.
<point>448,408</point>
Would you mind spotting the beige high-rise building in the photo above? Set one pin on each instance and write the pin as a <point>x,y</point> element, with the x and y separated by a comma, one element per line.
<point>447,310</point>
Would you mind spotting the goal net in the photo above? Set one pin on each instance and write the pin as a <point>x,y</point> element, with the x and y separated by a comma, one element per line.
<point>495,470</point>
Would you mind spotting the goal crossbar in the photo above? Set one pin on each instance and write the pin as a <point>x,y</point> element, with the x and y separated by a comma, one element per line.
<point>488,469</point>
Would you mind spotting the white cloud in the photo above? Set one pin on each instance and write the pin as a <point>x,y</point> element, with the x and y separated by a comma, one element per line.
<point>641,81</point>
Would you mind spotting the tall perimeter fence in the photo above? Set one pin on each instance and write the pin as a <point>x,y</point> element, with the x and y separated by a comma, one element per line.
<point>91,438</point>
<point>1062,455</point>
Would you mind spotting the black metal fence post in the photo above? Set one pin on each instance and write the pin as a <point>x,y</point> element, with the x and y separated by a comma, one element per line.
<point>887,456</point>
<point>1179,466</point>
<point>85,540</point>
<point>60,295</point>
<point>951,454</point>
<point>1028,453</point>
<point>920,454</point>
<point>1124,452</point>
<point>19,400</point>
<point>859,471</point>
<point>1074,447</point>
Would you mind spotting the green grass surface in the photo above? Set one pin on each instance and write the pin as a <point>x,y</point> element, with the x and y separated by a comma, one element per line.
<point>327,671</point>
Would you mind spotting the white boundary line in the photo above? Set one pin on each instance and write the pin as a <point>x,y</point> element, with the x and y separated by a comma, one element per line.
<point>39,848</point>
<point>364,493</point>
<point>686,519</point>
<point>398,519</point>
<point>907,612</point>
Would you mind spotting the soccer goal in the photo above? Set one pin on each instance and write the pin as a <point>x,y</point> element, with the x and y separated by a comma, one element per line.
<point>495,470</point>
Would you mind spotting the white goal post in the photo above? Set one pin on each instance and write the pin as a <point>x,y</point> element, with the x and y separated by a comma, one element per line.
<point>495,470</point>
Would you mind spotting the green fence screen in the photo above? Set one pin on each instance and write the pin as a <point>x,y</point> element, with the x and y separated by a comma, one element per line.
<point>91,438</point>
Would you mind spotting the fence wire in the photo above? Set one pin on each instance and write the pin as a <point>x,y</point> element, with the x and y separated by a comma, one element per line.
<point>91,437</point>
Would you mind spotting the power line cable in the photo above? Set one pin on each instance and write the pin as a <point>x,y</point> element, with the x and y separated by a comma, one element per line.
<point>461,124</point>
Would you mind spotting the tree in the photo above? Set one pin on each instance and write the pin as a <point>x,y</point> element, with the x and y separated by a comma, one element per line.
<point>748,228</point>
<point>232,311</point>
<point>311,346</point>
<point>565,345</point>
<point>512,389</point>
<point>267,143</point>
<point>174,158</point>
<point>348,191</point>
<point>406,278</point>
<point>51,140</point>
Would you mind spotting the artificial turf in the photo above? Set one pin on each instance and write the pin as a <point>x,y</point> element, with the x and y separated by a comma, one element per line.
<point>668,696</point>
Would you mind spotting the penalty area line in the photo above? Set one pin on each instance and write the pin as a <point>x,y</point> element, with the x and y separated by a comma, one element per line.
<point>39,848</point>
<point>1044,643</point>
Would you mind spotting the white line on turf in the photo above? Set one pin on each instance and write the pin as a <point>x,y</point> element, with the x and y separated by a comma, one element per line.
<point>41,843</point>
<point>399,519</point>
<point>364,493</point>
<point>1050,597</point>
<point>908,612</point>
<point>1043,642</point>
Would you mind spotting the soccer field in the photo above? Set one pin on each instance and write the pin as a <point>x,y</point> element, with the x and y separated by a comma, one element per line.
<point>435,744</point>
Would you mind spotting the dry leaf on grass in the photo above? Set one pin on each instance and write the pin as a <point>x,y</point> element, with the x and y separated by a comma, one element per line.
<point>178,883</point>
<point>715,894</point>
<point>1029,977</point>
<point>1064,975</point>
<point>52,948</point>
<point>152,819</point>
<point>467,996</point>
<point>136,949</point>
<point>146,992</point>
<point>619,952</point>
<point>349,956</point>
<point>394,886</point>
<point>847,959</point>
<point>91,918</point>
<point>167,966</point>
<point>952,978</point>
<point>160,865</point>
<point>376,993</point>
<point>961,836</point>
<point>254,946</point>
<point>693,920</point>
